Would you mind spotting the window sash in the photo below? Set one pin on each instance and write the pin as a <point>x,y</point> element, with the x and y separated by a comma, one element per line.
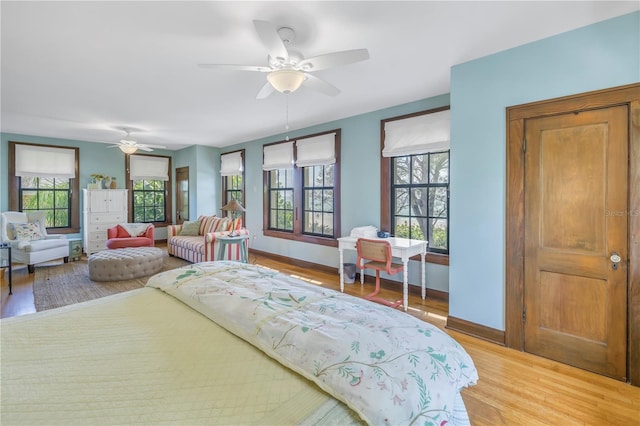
<point>140,210</point>
<point>54,199</point>
<point>281,200</point>
<point>409,216</point>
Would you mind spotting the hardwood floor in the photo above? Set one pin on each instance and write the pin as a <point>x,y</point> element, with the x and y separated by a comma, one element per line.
<point>515,388</point>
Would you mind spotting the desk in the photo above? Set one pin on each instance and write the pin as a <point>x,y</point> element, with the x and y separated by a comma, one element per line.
<point>241,240</point>
<point>5,262</point>
<point>400,247</point>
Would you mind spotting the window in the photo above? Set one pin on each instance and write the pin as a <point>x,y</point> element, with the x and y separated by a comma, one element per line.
<point>149,184</point>
<point>420,199</point>
<point>149,201</point>
<point>281,196</point>
<point>317,192</point>
<point>45,178</point>
<point>302,187</point>
<point>232,172</point>
<point>415,173</point>
<point>47,194</point>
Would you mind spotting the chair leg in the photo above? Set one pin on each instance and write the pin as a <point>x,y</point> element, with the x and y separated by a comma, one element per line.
<point>372,296</point>
<point>66,259</point>
<point>31,268</point>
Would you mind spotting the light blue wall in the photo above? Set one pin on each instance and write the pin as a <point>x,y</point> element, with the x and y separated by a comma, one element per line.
<point>209,184</point>
<point>360,187</point>
<point>602,55</point>
<point>204,179</point>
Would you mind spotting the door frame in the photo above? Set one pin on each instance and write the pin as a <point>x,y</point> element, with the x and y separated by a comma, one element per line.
<point>181,169</point>
<point>514,255</point>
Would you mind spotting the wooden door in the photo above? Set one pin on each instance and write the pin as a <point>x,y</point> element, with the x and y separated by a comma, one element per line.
<point>182,194</point>
<point>575,213</point>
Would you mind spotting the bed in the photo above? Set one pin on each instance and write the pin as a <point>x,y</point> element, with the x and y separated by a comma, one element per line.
<point>230,343</point>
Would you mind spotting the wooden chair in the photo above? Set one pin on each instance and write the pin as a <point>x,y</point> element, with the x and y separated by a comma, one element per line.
<point>376,255</point>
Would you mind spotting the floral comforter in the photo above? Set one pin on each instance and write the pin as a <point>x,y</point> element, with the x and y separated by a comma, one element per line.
<point>387,366</point>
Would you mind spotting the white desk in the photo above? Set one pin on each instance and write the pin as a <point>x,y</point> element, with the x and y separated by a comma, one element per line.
<point>400,247</point>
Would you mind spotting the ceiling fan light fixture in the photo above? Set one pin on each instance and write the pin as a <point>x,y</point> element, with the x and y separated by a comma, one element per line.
<point>127,149</point>
<point>287,80</point>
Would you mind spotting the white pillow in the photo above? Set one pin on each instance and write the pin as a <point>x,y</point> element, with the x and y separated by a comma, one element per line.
<point>135,229</point>
<point>25,231</point>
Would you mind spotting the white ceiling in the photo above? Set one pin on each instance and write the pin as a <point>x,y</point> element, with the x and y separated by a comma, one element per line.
<point>81,70</point>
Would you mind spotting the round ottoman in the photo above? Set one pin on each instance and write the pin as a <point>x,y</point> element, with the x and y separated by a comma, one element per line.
<point>125,263</point>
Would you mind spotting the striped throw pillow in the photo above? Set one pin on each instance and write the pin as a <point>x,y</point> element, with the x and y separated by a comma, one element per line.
<point>205,223</point>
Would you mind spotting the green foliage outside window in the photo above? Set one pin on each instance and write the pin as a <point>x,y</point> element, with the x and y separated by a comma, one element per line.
<point>438,238</point>
<point>318,200</point>
<point>149,201</point>
<point>233,189</point>
<point>49,195</point>
<point>281,199</point>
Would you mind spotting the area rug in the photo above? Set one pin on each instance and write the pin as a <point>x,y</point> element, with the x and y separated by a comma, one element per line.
<point>68,283</point>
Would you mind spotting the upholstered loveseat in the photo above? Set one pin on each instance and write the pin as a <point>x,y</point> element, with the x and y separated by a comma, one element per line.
<point>197,241</point>
<point>131,235</point>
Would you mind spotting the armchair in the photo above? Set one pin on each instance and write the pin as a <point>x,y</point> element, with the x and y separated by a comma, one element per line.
<point>30,243</point>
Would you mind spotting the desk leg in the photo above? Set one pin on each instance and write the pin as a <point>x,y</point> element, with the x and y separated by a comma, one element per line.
<point>341,269</point>
<point>405,284</point>
<point>424,289</point>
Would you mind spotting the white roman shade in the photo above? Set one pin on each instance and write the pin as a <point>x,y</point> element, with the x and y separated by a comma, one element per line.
<point>278,156</point>
<point>143,167</point>
<point>45,162</point>
<point>417,135</point>
<point>316,151</point>
<point>231,164</point>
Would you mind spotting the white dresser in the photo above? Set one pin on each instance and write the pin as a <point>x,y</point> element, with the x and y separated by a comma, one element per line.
<point>102,209</point>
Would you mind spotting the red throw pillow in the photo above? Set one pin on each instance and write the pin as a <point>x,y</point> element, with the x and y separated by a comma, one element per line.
<point>122,233</point>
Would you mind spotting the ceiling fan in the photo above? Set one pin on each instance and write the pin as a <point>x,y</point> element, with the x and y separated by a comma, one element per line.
<point>129,145</point>
<point>287,69</point>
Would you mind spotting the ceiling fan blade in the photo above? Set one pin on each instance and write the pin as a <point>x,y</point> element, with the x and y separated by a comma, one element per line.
<point>113,146</point>
<point>320,85</point>
<point>268,34</point>
<point>334,59</point>
<point>144,148</point>
<point>236,67</point>
<point>152,146</point>
<point>266,90</point>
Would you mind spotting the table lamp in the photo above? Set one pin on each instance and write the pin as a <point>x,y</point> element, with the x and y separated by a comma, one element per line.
<point>235,209</point>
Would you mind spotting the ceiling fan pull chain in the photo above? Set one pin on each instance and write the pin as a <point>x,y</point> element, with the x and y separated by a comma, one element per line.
<point>286,126</point>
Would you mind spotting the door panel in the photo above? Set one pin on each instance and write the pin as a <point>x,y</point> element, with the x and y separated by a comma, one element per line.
<point>575,185</point>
